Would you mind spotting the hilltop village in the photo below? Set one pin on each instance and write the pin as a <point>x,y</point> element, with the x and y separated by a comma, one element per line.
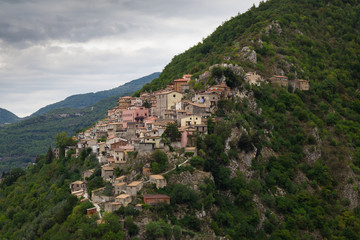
<point>165,120</point>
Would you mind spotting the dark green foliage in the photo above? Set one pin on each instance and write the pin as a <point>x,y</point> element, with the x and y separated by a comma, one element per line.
<point>131,227</point>
<point>172,132</point>
<point>160,161</point>
<point>158,229</point>
<point>197,162</point>
<point>7,116</point>
<point>12,176</point>
<point>49,156</point>
<point>181,194</point>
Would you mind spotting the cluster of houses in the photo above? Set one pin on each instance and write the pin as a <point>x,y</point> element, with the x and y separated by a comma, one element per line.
<point>283,81</point>
<point>138,124</point>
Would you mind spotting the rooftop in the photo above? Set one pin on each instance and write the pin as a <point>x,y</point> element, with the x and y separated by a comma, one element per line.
<point>160,177</point>
<point>134,183</point>
<point>123,196</point>
<point>149,196</point>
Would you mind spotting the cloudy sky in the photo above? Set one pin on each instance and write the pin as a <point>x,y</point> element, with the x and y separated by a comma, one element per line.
<point>51,49</point>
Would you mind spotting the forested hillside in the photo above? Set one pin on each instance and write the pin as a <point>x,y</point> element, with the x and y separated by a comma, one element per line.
<point>283,164</point>
<point>7,116</point>
<point>88,99</point>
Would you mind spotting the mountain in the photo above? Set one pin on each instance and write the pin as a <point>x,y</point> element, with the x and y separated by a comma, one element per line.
<point>22,141</point>
<point>88,99</point>
<point>7,116</point>
<point>276,163</point>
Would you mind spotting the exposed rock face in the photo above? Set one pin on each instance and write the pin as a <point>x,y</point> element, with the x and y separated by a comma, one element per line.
<point>275,26</point>
<point>205,76</point>
<point>249,55</point>
<point>193,180</point>
<point>234,68</point>
<point>353,196</point>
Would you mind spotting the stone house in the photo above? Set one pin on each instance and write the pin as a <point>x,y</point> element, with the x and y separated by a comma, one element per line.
<point>254,78</point>
<point>112,206</point>
<point>77,186</point>
<point>209,99</point>
<point>190,120</point>
<point>124,199</point>
<point>154,199</point>
<point>300,84</point>
<point>87,173</point>
<point>279,81</point>
<point>197,108</point>
<point>178,84</point>
<point>134,187</point>
<point>125,102</point>
<point>155,141</point>
<point>120,187</point>
<point>166,100</point>
<point>159,180</point>
<point>120,179</point>
<point>107,172</point>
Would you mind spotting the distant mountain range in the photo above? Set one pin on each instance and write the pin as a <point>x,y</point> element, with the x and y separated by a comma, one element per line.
<point>7,117</point>
<point>22,141</point>
<point>88,99</point>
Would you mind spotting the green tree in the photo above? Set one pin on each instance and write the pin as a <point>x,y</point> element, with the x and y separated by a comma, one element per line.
<point>49,156</point>
<point>62,140</point>
<point>172,132</point>
<point>153,230</point>
<point>160,161</point>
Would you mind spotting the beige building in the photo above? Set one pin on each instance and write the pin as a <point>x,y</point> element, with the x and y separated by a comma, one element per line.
<point>124,199</point>
<point>155,141</point>
<point>77,186</point>
<point>190,120</point>
<point>112,206</point>
<point>134,187</point>
<point>120,187</point>
<point>107,172</point>
<point>120,179</point>
<point>300,84</point>
<point>166,100</point>
<point>279,80</point>
<point>253,78</point>
<point>209,99</point>
<point>159,180</point>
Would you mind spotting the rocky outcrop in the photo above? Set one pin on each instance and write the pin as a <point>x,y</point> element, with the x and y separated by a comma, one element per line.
<point>192,180</point>
<point>248,55</point>
<point>275,27</point>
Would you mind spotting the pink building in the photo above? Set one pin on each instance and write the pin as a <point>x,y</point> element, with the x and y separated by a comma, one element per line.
<point>135,114</point>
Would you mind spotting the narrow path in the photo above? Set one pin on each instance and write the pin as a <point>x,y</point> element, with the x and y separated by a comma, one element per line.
<point>86,195</point>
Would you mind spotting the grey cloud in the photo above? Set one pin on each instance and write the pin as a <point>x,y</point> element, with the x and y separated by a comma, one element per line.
<point>52,49</point>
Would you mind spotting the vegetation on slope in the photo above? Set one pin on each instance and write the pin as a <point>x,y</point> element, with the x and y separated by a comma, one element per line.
<point>319,40</point>
<point>7,116</point>
<point>302,180</point>
<point>88,99</point>
<point>21,142</point>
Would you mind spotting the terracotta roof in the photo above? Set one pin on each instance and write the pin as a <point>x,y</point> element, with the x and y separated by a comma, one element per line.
<point>77,182</point>
<point>120,184</point>
<point>108,168</point>
<point>120,178</point>
<point>280,76</point>
<point>123,196</point>
<point>157,176</point>
<point>181,80</point>
<point>149,196</point>
<point>134,183</point>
